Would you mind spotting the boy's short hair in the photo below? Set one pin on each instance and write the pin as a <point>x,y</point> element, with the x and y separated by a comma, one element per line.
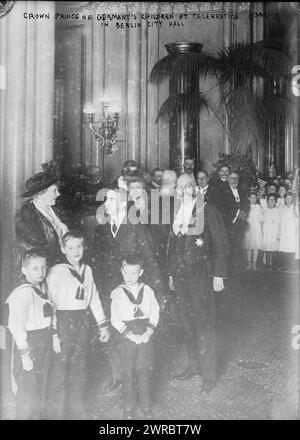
<point>73,233</point>
<point>271,195</point>
<point>31,255</point>
<point>132,260</point>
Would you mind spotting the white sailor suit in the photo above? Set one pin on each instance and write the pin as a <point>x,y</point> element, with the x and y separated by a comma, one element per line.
<point>73,294</point>
<point>29,322</point>
<point>133,310</point>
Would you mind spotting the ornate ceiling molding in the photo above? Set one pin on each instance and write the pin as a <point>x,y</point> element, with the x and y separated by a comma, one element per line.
<point>155,7</point>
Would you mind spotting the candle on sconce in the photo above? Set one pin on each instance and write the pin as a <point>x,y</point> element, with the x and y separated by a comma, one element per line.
<point>89,109</point>
<point>104,98</point>
<point>115,108</point>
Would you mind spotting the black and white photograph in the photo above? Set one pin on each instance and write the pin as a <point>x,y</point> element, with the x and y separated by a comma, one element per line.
<point>149,212</point>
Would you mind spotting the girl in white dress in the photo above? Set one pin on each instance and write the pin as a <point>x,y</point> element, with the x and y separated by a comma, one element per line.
<point>262,196</point>
<point>289,231</point>
<point>271,222</point>
<point>253,236</point>
<point>281,196</point>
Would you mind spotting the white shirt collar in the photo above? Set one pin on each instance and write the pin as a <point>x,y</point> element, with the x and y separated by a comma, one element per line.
<point>183,216</point>
<point>117,221</point>
<point>234,190</point>
<point>202,190</point>
<point>40,205</point>
<point>235,193</point>
<point>122,184</point>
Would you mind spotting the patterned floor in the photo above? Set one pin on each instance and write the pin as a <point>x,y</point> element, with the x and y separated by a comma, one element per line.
<point>258,369</point>
<point>258,377</point>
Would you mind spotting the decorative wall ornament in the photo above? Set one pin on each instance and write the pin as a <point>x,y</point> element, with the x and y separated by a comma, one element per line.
<point>159,7</point>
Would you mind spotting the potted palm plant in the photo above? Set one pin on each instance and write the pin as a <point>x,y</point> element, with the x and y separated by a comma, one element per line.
<point>183,66</point>
<point>252,79</point>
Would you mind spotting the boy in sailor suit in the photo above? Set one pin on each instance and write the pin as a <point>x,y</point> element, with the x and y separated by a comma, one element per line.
<point>72,290</point>
<point>29,322</point>
<point>135,315</point>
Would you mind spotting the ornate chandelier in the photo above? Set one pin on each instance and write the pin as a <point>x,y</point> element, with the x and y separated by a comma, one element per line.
<point>105,129</point>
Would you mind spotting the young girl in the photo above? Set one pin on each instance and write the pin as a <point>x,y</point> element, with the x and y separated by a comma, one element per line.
<point>253,236</point>
<point>281,199</point>
<point>262,197</point>
<point>289,231</point>
<point>271,221</point>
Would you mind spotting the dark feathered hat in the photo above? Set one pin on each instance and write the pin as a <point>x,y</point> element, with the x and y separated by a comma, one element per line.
<point>40,181</point>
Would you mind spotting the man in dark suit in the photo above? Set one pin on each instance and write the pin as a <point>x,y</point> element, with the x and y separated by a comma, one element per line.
<point>189,167</point>
<point>219,189</point>
<point>118,236</point>
<point>203,184</point>
<point>130,168</point>
<point>233,205</point>
<point>197,255</point>
<point>227,197</point>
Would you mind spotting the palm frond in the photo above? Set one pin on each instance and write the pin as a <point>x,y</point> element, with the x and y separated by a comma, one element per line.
<point>273,57</point>
<point>246,122</point>
<point>236,66</point>
<point>245,134</point>
<point>187,64</point>
<point>190,104</point>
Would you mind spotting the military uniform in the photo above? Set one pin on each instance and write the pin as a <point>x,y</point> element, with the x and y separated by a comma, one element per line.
<point>194,259</point>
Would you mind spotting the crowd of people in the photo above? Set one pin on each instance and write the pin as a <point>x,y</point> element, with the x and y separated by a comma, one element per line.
<point>264,221</point>
<point>157,235</point>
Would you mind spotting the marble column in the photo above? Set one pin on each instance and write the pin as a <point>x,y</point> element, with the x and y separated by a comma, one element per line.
<point>227,40</point>
<point>292,129</point>
<point>133,67</point>
<point>26,116</point>
<point>184,127</point>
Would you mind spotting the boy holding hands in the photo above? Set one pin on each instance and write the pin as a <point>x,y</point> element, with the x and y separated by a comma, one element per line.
<point>135,315</point>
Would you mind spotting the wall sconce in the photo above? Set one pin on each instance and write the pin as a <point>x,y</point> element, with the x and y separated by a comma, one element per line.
<point>105,130</point>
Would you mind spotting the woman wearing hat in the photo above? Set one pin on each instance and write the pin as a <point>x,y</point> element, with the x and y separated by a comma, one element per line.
<point>38,223</point>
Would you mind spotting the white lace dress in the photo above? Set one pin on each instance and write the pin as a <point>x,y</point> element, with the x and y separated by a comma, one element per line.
<point>289,229</point>
<point>271,223</point>
<point>253,236</point>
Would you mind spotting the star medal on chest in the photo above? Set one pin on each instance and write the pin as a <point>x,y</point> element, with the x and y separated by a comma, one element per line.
<point>199,242</point>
